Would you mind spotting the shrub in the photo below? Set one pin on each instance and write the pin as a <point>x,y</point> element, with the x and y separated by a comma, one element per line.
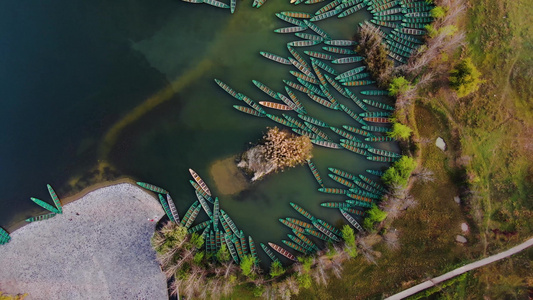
<point>349,238</point>
<point>223,254</point>
<point>371,47</point>
<point>400,131</point>
<point>276,269</point>
<point>374,215</point>
<point>247,266</point>
<point>438,12</point>
<point>399,172</point>
<point>464,78</point>
<point>399,85</point>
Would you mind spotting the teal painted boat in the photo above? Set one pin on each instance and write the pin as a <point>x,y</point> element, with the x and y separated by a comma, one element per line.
<point>348,60</point>
<point>204,204</point>
<point>319,55</point>
<point>340,43</point>
<point>344,134</point>
<point>309,36</point>
<point>201,191</point>
<point>228,238</point>
<point>386,24</point>
<point>411,31</point>
<point>164,204</point>
<point>296,14</point>
<point>173,210</point>
<point>297,56</point>
<point>321,101</point>
<point>355,192</point>
<point>329,227</point>
<point>389,18</point>
<point>414,25</point>
<point>368,187</point>
<point>326,15</point>
<point>342,181</point>
<point>342,173</point>
<point>266,89</point>
<point>299,223</point>
<point>317,29</point>
<point>282,251</point>
<point>291,225</point>
<point>281,121</point>
<point>388,12</point>
<point>318,73</point>
<point>360,151</point>
<point>328,7</point>
<point>189,212</point>
<point>230,223</point>
<point>317,234</point>
<point>300,243</point>
<point>375,114</point>
<point>354,211</point>
<point>233,4</point>
<point>352,221</point>
<point>355,77</point>
<point>248,110</point>
<point>329,95</point>
<point>306,240</point>
<point>258,3</point>
<point>302,211</point>
<point>218,240</point>
<point>291,20</point>
<point>373,183</point>
<point>306,132</point>
<point>332,191</point>
<point>357,131</point>
<point>253,105</point>
<point>317,131</point>
<point>276,58</point>
<point>194,213</point>
<point>44,205</point>
<point>227,89</point>
<point>303,43</point>
<point>291,29</point>
<point>375,172</point>
<point>351,10</point>
<point>356,143</point>
<point>324,66</point>
<point>238,247</point>
<point>325,231</point>
<point>216,214</point>
<point>335,204</point>
<point>53,194</point>
<point>244,244</point>
<point>216,3</point>
<point>294,246</point>
<point>359,203</point>
<point>41,217</point>
<point>338,50</point>
<point>326,144</point>
<point>378,104</point>
<point>383,152</point>
<point>269,252</point>
<point>295,86</point>
<point>4,233</point>
<point>337,86</point>
<point>253,250</point>
<point>406,37</point>
<point>312,120</point>
<point>199,227</point>
<point>314,170</point>
<point>299,107</point>
<point>355,99</point>
<point>353,114</point>
<point>295,122</point>
<point>358,82</point>
<point>351,72</point>
<point>382,159</point>
<point>152,188</point>
<point>225,226</point>
<point>303,77</point>
<point>376,129</point>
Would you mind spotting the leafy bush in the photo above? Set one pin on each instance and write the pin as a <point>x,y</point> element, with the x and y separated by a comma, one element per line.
<point>223,254</point>
<point>349,239</point>
<point>399,172</point>
<point>464,78</point>
<point>247,266</point>
<point>400,131</point>
<point>374,215</point>
<point>399,85</point>
<point>276,269</point>
<point>438,12</point>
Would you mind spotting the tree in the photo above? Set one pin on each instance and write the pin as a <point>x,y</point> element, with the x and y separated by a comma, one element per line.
<point>374,215</point>
<point>399,172</point>
<point>372,48</point>
<point>247,266</point>
<point>276,269</point>
<point>399,85</point>
<point>400,131</point>
<point>438,12</point>
<point>464,78</point>
<point>223,254</point>
<point>349,239</point>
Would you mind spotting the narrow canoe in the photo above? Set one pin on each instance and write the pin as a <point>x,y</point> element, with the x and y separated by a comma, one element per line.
<point>306,240</point>
<point>380,139</point>
<point>382,158</point>
<point>342,181</point>
<point>386,24</point>
<point>407,37</point>
<point>329,95</point>
<point>251,244</point>
<point>388,12</point>
<point>259,3</point>
<point>291,29</point>
<point>360,203</point>
<point>348,60</point>
<point>216,3</point>
<point>152,188</point>
<point>314,170</point>
<point>299,107</point>
<point>355,150</point>
<point>356,192</point>
<point>344,134</point>
<point>199,227</point>
<point>319,55</point>
<point>328,7</point>
<point>248,110</point>
<point>253,105</point>
<point>227,89</point>
<point>295,14</point>
<point>295,122</point>
<point>354,211</point>
<point>294,246</point>
<point>325,15</point>
<point>317,131</point>
<point>377,119</point>
<point>372,183</point>
<point>341,43</point>
<point>291,225</point>
<point>321,101</point>
<point>375,172</point>
<point>325,231</point>
<point>204,204</point>
<point>356,100</point>
<point>350,72</point>
<point>312,88</point>
<point>317,234</point>
<point>378,104</point>
<point>44,205</point>
<point>297,86</point>
<point>266,89</point>
<point>414,25</point>
<point>308,36</point>
<point>233,4</point>
<point>312,120</point>
<point>298,57</point>
<point>318,73</point>
<point>269,252</point>
<point>303,43</point>
<point>332,191</point>
<point>291,20</point>
<point>389,18</point>
<point>359,197</point>
<point>281,121</point>
<point>244,244</point>
<point>306,132</point>
<point>368,187</point>
<point>351,10</point>
<point>189,212</point>
<point>218,240</point>
<point>357,130</point>
<point>353,114</point>
<point>302,211</point>
<point>230,223</point>
<point>200,182</point>
<point>282,251</point>
<point>351,220</point>
<point>201,191</point>
<point>375,114</point>
<point>330,227</point>
<point>337,86</point>
<point>383,152</point>
<point>383,7</point>
<point>225,225</point>
<point>275,105</point>
<point>358,82</point>
<point>376,128</point>
<point>335,204</point>
<point>357,144</point>
<point>53,194</point>
<point>40,218</point>
<point>193,216</point>
<point>303,77</point>
<point>238,247</point>
<point>338,50</point>
<point>375,92</point>
<point>342,173</point>
<point>326,144</point>
<point>3,233</point>
<point>212,242</point>
<point>164,204</point>
<point>317,29</point>
<point>276,58</point>
<point>173,209</point>
<point>411,31</point>
<point>299,223</point>
<point>300,243</point>
<point>231,248</point>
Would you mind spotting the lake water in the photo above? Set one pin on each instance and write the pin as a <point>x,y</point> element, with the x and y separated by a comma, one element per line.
<point>71,73</point>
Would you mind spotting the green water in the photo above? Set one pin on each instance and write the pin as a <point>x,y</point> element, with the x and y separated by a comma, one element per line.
<point>198,126</point>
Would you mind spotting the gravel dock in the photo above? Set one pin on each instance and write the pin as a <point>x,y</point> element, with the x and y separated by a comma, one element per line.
<point>98,249</point>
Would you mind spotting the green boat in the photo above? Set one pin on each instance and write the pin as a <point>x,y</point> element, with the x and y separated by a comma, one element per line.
<point>356,143</point>
<point>187,215</point>
<point>238,246</point>
<point>385,24</point>
<point>378,104</point>
<point>45,205</point>
<point>383,7</point>
<point>348,60</point>
<point>216,3</point>
<point>276,58</point>
<point>206,242</point>
<point>55,198</point>
<point>317,29</point>
<point>303,43</point>
<point>356,195</point>
<point>296,14</point>
<point>231,248</point>
<point>4,233</point>
<point>388,12</point>
<point>389,18</point>
<point>351,10</point>
<point>199,227</point>
<point>354,211</point>
<point>301,67</point>
<point>353,114</point>
<point>324,66</point>
<point>383,152</point>
<point>302,211</point>
<point>317,234</point>
<point>326,232</point>
<point>342,173</point>
<point>230,223</point>
<point>375,114</point>
<point>218,240</point>
<point>296,86</point>
<point>216,214</point>
<point>372,183</point>
<point>382,158</point>
<point>309,36</point>
<point>225,225</point>
<point>41,217</point>
<point>360,203</point>
<point>152,188</point>
<point>418,14</point>
<point>312,120</point>
<point>376,129</point>
<point>266,89</point>
<point>321,101</point>
<point>342,181</point>
<point>248,110</point>
<point>193,216</point>
<point>244,244</point>
<point>299,107</point>
<point>204,204</point>
<point>326,144</point>
<point>332,191</point>
<point>300,243</point>
<point>355,192</point>
<point>355,150</point>
<point>312,88</point>
<point>173,210</point>
<point>411,31</point>
<point>299,223</point>
<point>291,29</point>
<point>212,242</point>
<point>351,72</point>
<point>406,37</point>
<point>294,246</point>
<point>164,204</point>
<point>357,131</point>
<point>415,25</point>
<point>330,227</point>
<point>352,221</point>
<point>281,121</point>
<point>368,187</point>
<point>306,240</point>
<point>375,172</point>
<point>252,250</point>
<point>314,170</point>
<point>355,99</point>
<point>341,43</point>
<point>337,86</point>
<point>329,96</point>
<point>269,252</point>
<point>201,191</point>
<point>358,82</point>
<point>397,39</point>
<point>336,204</point>
<point>298,57</point>
<point>295,121</point>
<point>303,77</point>
<point>291,20</point>
<point>318,73</point>
<point>317,131</point>
<point>258,3</point>
<point>254,105</point>
<point>328,7</point>
<point>319,55</point>
<point>306,133</point>
<point>338,50</point>
<point>375,92</point>
<point>228,90</point>
<point>325,15</point>
<point>291,225</point>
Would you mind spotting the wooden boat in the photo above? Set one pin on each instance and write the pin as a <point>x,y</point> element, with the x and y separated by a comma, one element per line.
<point>281,121</point>
<point>244,244</point>
<point>359,203</point>
<point>341,43</point>
<point>335,204</point>
<point>342,173</point>
<point>382,158</point>
<point>225,226</point>
<point>294,246</point>
<point>306,240</point>
<point>230,222</point>
<point>317,131</point>
<point>376,114</point>
<point>388,12</point>
<point>356,100</point>
<point>297,56</point>
<point>326,144</point>
<point>406,37</point>
<point>332,191</point>
<point>411,31</point>
<point>383,152</point>
<point>414,25</point>
<point>231,248</point>
<point>342,181</point>
<point>269,252</point>
<point>41,217</point>
<point>418,14</point>
<point>233,4</point>
<point>314,170</point>
<point>385,24</point>
<point>378,104</point>
<point>291,20</point>
<point>306,132</point>
<point>303,77</point>
<point>308,36</point>
<point>194,1</point>
<point>302,211</point>
<point>330,227</point>
<point>395,39</point>
<point>372,183</point>
<point>227,89</point>
<point>291,29</point>
<point>173,210</point>
<point>355,77</point>
<point>266,89</point>
<point>248,110</point>
<point>351,220</point>
<point>350,72</point>
<point>357,130</point>
<point>258,3</point>
<point>354,211</point>
<point>297,86</point>
<point>326,232</point>
<point>338,50</point>
<point>416,9</point>
<point>313,1</point>
<point>321,101</point>
<point>312,120</point>
<point>380,139</point>
<point>45,205</point>
<point>354,196</point>
<point>375,172</point>
<point>295,14</point>
<point>216,3</point>
<point>348,60</point>
<point>388,18</point>
<point>4,233</point>
<point>53,194</point>
<point>303,43</point>
<point>204,204</point>
<point>299,107</point>
<point>319,55</point>
<point>300,243</point>
<point>200,182</point>
<point>152,187</point>
<point>291,225</point>
<point>193,216</point>
<point>329,95</point>
<point>344,134</point>
<point>358,82</point>
<point>238,247</point>
<point>383,7</point>
<point>276,58</point>
<point>377,119</point>
<point>326,15</point>
<point>295,122</point>
<point>353,114</point>
<point>218,240</point>
<point>355,150</point>
<point>275,105</point>
<point>317,234</point>
<point>328,7</point>
<point>356,143</point>
<point>164,204</point>
<point>375,92</point>
<point>397,57</point>
<point>368,187</point>
<point>337,86</point>
<point>253,251</point>
<point>253,105</point>
<point>317,29</point>
<point>189,212</point>
<point>199,227</point>
<point>212,242</point>
<point>351,10</point>
<point>376,128</point>
<point>299,223</point>
<point>282,251</point>
<point>201,191</point>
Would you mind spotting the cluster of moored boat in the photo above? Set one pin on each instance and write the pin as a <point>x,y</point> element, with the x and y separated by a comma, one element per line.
<point>4,237</point>
<point>52,209</point>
